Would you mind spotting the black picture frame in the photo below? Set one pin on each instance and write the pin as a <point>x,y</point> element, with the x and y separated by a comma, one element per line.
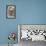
<point>13,13</point>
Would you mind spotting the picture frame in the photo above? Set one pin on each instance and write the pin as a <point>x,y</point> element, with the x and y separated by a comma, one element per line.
<point>10,11</point>
<point>33,29</point>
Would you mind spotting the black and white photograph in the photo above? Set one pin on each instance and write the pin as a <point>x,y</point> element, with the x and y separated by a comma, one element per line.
<point>31,34</point>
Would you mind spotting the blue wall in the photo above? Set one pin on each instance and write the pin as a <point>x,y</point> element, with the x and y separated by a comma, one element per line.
<point>31,11</point>
<point>27,12</point>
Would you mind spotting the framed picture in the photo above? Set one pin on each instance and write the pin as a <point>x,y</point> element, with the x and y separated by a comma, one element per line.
<point>11,11</point>
<point>33,32</point>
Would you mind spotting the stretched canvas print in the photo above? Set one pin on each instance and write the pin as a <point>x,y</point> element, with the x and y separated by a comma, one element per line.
<point>11,11</point>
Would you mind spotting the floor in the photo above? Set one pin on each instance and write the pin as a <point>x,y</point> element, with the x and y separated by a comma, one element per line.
<point>30,43</point>
<point>7,45</point>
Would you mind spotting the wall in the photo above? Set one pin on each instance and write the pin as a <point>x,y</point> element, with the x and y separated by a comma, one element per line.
<point>6,25</point>
<point>27,12</point>
<point>31,11</point>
